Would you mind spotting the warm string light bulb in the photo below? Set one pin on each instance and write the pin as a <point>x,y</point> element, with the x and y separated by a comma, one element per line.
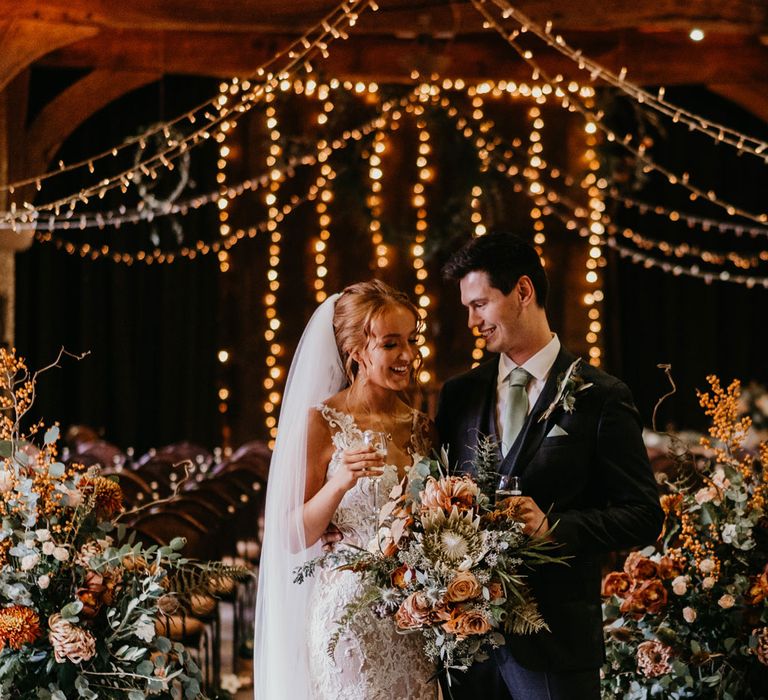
<point>535,164</point>
<point>594,187</point>
<point>320,244</point>
<point>374,200</point>
<point>274,370</point>
<point>419,203</point>
<point>478,230</point>
<point>221,180</point>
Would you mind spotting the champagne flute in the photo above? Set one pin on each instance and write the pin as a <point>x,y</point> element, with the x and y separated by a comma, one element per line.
<point>509,485</point>
<point>376,439</point>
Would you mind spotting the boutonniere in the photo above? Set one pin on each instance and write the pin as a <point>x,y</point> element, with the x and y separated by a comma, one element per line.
<point>570,384</point>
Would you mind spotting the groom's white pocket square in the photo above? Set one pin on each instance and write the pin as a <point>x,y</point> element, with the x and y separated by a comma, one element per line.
<point>556,431</point>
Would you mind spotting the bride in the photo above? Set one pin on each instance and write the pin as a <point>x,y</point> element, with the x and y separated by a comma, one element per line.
<point>353,365</point>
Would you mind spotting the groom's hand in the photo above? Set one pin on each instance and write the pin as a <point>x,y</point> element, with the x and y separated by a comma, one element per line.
<point>330,537</point>
<point>528,512</point>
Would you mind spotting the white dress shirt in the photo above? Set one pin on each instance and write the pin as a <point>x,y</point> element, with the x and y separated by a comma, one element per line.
<point>538,366</point>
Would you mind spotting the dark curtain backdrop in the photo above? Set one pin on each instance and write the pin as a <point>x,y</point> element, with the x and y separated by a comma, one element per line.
<point>151,332</point>
<point>654,317</point>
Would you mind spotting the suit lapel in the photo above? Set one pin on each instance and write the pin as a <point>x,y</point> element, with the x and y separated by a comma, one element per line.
<point>534,430</point>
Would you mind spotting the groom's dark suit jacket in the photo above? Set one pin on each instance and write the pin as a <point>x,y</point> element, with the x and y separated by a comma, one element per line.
<point>596,480</point>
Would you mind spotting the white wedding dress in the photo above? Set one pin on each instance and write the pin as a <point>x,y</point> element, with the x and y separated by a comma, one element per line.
<point>372,661</point>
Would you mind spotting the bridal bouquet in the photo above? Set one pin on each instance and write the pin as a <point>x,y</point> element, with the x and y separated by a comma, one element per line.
<point>79,606</point>
<point>688,618</point>
<point>446,563</point>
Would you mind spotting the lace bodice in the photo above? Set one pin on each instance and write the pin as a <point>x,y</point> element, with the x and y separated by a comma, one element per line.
<point>372,661</point>
<point>356,514</point>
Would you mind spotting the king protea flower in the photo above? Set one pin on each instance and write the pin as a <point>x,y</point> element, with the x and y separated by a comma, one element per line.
<point>453,540</point>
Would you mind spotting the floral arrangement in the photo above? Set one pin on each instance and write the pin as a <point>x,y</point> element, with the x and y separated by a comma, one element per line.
<point>81,606</point>
<point>446,563</point>
<point>688,618</point>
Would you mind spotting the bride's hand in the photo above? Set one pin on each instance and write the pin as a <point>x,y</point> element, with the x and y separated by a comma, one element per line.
<point>357,463</point>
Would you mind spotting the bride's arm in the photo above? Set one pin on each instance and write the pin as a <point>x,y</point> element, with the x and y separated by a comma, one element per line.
<point>321,497</point>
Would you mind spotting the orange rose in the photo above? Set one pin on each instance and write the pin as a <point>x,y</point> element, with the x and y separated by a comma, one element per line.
<point>413,612</point>
<point>617,583</point>
<point>463,586</point>
<point>632,607</point>
<point>640,567</point>
<point>756,593</point>
<point>652,595</point>
<point>398,576</point>
<point>495,590</point>
<point>468,623</point>
<point>670,567</point>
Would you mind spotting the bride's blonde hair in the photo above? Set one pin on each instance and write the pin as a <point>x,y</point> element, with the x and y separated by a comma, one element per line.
<point>356,308</point>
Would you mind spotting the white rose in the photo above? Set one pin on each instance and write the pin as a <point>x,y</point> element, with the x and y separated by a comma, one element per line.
<point>726,601</point>
<point>680,585</point>
<point>689,615</point>
<point>48,548</point>
<point>43,535</point>
<point>43,581</point>
<point>61,553</point>
<point>29,561</point>
<point>708,583</point>
<point>707,566</point>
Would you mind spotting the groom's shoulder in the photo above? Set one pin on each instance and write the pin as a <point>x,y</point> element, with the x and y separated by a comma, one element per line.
<point>605,383</point>
<point>481,373</point>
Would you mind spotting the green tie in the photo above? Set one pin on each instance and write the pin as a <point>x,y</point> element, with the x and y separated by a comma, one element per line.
<point>517,407</point>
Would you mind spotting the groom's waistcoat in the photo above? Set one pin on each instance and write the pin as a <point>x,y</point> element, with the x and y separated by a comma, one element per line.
<point>589,470</point>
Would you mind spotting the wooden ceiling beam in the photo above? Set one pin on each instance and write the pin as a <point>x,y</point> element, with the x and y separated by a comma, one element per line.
<point>70,108</point>
<point>23,41</point>
<point>651,59</point>
<point>393,17</point>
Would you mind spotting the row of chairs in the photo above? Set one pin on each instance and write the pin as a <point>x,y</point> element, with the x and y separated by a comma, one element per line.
<point>218,507</point>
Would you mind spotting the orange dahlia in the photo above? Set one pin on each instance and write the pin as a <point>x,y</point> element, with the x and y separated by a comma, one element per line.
<point>19,625</point>
<point>107,494</point>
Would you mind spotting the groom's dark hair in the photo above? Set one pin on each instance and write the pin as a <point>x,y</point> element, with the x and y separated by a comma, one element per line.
<point>505,258</point>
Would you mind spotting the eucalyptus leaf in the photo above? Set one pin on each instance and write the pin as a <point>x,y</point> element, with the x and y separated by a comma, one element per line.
<point>51,435</point>
<point>56,470</point>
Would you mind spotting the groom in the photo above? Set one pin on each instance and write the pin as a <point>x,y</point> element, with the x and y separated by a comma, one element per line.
<point>583,471</point>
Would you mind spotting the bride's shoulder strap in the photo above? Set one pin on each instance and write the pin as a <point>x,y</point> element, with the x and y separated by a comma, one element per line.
<point>335,418</point>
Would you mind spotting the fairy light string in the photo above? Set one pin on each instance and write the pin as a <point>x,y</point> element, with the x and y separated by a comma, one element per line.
<point>329,29</point>
<point>719,133</point>
<point>640,152</point>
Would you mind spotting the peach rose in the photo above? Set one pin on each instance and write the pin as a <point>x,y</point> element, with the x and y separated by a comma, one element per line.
<point>726,601</point>
<point>689,615</point>
<point>465,624</point>
<point>617,583</point>
<point>640,567</point>
<point>464,586</point>
<point>680,585</point>
<point>413,612</point>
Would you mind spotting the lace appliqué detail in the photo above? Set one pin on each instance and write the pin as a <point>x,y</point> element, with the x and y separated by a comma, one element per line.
<point>372,661</point>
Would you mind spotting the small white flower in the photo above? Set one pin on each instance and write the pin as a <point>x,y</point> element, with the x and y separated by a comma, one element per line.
<point>43,581</point>
<point>726,601</point>
<point>680,585</point>
<point>43,535</point>
<point>720,480</point>
<point>729,533</point>
<point>707,566</point>
<point>29,561</point>
<point>48,548</point>
<point>705,495</point>
<point>145,630</point>
<point>708,583</point>
<point>689,615</point>
<point>61,553</point>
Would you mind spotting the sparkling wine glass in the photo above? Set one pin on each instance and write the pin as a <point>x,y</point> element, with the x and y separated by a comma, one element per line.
<point>509,485</point>
<point>378,441</point>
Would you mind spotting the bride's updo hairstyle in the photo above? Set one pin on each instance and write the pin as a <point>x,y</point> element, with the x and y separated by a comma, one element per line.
<point>356,308</point>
